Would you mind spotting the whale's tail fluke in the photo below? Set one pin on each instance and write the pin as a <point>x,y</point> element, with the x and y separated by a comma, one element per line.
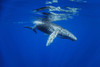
<point>31,28</point>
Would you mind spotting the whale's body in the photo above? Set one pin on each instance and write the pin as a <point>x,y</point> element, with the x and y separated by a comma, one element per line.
<point>49,28</point>
<point>53,30</point>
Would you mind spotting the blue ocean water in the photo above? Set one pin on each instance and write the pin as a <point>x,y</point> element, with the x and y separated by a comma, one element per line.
<point>20,47</point>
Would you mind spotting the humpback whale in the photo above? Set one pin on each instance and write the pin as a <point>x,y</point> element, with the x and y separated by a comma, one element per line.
<point>53,30</point>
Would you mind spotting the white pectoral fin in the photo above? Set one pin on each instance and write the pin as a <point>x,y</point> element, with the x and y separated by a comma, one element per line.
<point>52,37</point>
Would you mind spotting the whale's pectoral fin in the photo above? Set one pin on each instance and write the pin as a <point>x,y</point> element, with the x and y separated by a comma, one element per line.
<point>52,37</point>
<point>33,28</point>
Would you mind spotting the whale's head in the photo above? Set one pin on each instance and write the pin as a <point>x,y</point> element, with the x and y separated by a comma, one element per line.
<point>72,37</point>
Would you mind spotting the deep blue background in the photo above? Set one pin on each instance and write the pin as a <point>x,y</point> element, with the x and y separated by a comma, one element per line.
<point>21,47</point>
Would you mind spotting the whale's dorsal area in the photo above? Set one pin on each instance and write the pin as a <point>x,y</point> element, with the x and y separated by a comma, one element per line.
<point>52,36</point>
